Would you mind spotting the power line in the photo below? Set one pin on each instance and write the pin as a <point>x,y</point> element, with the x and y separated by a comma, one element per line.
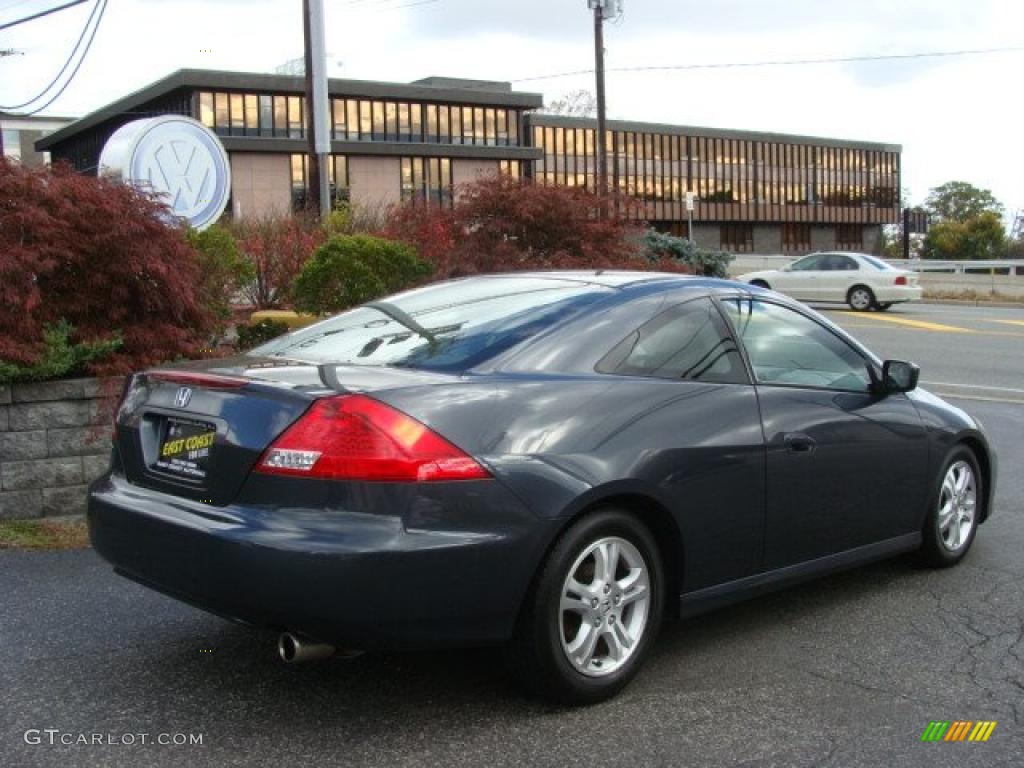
<point>781,63</point>
<point>63,69</point>
<point>39,15</point>
<point>74,72</point>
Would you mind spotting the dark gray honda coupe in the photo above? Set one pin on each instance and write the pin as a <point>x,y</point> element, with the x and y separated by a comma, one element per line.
<point>553,462</point>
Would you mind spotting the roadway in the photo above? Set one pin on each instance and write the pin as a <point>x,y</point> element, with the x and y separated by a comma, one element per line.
<point>845,671</point>
<point>936,336</point>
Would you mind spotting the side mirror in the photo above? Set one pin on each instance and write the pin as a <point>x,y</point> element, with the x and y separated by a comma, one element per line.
<point>899,376</point>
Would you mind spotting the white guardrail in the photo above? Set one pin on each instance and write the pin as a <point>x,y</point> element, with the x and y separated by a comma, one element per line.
<point>1001,266</point>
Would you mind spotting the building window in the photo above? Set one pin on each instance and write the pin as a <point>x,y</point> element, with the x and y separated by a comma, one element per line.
<point>738,237</point>
<point>512,168</point>
<point>296,124</point>
<point>280,115</point>
<point>456,125</point>
<point>849,237</point>
<point>378,122</point>
<point>266,115</point>
<point>428,179</point>
<point>796,237</point>
<point>337,177</point>
<point>352,119</point>
<point>300,183</point>
<point>206,110</point>
<point>432,127</point>
<point>416,119</point>
<point>12,143</point>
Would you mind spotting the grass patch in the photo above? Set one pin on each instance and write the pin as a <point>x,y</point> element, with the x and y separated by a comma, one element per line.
<point>972,295</point>
<point>67,533</point>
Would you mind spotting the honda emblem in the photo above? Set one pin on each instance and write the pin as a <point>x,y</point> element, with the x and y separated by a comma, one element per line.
<point>182,397</point>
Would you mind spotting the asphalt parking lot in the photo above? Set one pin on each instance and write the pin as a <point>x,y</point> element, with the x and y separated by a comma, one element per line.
<point>845,671</point>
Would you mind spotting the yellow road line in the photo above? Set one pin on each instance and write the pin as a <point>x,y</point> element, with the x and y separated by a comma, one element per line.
<point>922,324</point>
<point>1004,322</point>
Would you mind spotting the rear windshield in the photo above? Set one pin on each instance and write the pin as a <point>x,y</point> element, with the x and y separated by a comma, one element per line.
<point>449,326</point>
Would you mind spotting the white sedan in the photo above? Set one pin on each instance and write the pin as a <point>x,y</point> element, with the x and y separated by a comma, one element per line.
<point>862,281</point>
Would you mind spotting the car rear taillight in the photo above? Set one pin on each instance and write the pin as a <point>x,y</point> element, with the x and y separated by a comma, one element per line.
<point>354,437</point>
<point>126,387</point>
<point>901,280</point>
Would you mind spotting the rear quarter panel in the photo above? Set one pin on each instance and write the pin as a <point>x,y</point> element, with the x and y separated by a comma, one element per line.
<point>564,443</point>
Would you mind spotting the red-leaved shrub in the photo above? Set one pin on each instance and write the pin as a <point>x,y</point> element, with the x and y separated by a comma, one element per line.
<point>276,248</point>
<point>100,256</point>
<point>500,224</point>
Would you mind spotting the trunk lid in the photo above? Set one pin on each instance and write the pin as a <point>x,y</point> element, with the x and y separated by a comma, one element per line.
<point>196,430</point>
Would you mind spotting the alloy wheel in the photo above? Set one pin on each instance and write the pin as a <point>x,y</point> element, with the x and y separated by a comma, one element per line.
<point>958,501</point>
<point>604,606</point>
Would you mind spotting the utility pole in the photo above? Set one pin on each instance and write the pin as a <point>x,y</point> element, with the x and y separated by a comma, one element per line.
<point>598,6</point>
<point>906,234</point>
<point>318,131</point>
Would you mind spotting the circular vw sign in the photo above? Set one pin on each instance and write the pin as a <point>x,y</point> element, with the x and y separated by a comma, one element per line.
<point>177,157</point>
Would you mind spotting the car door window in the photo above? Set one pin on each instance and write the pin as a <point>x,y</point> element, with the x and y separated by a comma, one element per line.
<point>808,263</point>
<point>837,262</point>
<point>689,341</point>
<point>786,347</point>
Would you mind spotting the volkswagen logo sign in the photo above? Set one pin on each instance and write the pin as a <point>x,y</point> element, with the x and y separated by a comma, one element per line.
<point>178,158</point>
<point>182,396</point>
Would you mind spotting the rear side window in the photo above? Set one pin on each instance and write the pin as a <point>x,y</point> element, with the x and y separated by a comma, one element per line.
<point>836,261</point>
<point>689,341</point>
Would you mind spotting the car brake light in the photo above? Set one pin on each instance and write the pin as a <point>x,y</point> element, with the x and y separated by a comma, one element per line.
<point>195,379</point>
<point>901,280</point>
<point>354,437</point>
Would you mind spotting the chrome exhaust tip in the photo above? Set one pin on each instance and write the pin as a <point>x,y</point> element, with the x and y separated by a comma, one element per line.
<point>294,648</point>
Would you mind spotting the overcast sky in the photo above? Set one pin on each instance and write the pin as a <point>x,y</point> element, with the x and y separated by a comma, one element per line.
<point>956,117</point>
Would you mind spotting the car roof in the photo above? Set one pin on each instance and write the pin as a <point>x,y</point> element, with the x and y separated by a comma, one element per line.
<point>611,278</point>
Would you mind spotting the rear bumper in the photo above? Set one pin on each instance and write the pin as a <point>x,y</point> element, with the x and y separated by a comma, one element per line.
<point>355,579</point>
<point>897,293</point>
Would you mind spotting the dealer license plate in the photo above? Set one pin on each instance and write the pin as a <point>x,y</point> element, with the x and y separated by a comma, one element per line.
<point>185,449</point>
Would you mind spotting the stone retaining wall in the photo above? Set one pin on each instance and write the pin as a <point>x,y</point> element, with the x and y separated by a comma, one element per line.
<point>54,440</point>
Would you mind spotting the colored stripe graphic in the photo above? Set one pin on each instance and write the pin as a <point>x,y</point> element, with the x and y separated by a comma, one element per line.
<point>935,731</point>
<point>982,730</point>
<point>958,730</point>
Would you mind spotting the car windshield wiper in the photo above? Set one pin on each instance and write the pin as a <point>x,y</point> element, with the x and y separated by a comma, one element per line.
<point>402,317</point>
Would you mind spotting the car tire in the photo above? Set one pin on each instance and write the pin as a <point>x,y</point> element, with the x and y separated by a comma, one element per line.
<point>585,627</point>
<point>883,307</point>
<point>954,508</point>
<point>860,298</point>
<point>760,284</point>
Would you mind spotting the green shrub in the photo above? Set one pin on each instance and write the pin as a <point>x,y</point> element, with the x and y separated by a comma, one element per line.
<point>223,272</point>
<point>708,263</point>
<point>61,357</point>
<point>351,269</point>
<point>254,334</point>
